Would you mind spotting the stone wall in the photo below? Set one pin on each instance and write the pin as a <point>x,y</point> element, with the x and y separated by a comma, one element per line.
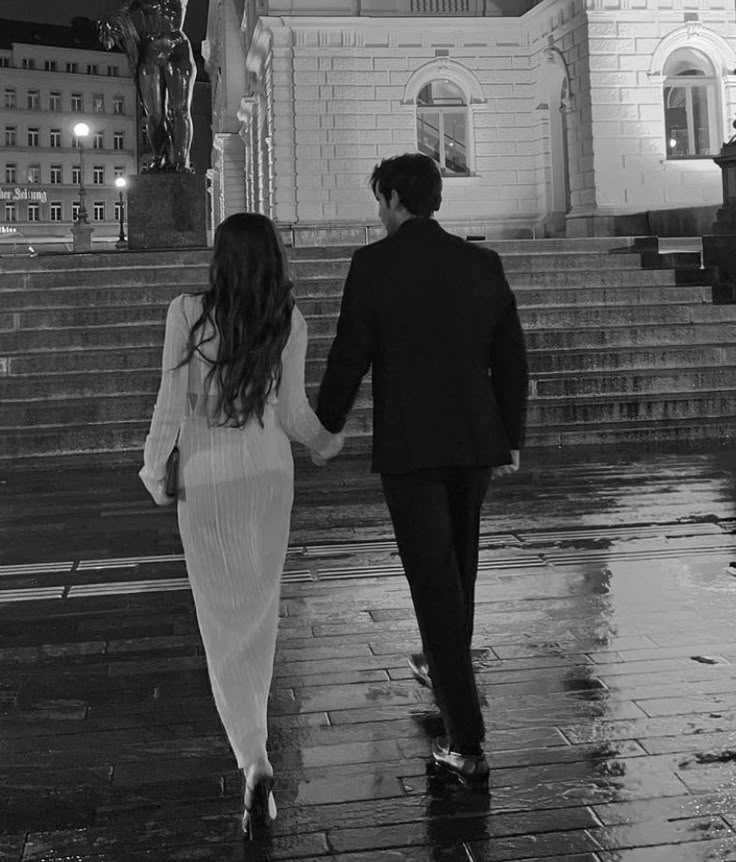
<point>344,98</point>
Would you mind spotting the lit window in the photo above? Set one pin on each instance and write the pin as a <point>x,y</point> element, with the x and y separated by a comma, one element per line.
<point>98,175</point>
<point>99,211</point>
<point>55,210</point>
<point>118,105</point>
<point>34,174</point>
<point>56,175</point>
<point>32,137</point>
<point>9,98</point>
<point>690,105</point>
<point>442,124</point>
<point>10,173</point>
<point>34,211</point>
<point>98,103</point>
<point>55,138</point>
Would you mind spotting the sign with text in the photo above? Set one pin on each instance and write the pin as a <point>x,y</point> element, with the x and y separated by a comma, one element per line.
<point>19,194</point>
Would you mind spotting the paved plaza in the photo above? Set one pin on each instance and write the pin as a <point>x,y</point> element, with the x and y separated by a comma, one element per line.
<point>605,648</point>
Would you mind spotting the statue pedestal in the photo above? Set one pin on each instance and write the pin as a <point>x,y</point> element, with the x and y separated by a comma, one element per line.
<point>82,236</point>
<point>719,254</point>
<point>719,249</point>
<point>167,210</point>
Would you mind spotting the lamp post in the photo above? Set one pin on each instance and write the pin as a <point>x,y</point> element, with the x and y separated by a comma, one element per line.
<point>81,229</point>
<point>121,183</point>
<point>81,130</point>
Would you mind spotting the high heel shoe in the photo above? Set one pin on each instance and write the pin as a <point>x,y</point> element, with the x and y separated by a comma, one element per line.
<point>259,806</point>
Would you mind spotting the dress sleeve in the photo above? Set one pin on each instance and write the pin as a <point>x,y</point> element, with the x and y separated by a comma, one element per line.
<point>295,415</point>
<point>170,408</point>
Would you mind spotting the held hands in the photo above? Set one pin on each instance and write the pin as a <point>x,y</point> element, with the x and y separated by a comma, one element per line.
<point>335,447</point>
<point>506,469</point>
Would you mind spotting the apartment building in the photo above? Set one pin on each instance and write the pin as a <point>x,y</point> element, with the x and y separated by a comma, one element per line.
<point>52,78</point>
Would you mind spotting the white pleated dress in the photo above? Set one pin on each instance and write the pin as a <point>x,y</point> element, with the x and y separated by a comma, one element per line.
<point>237,488</point>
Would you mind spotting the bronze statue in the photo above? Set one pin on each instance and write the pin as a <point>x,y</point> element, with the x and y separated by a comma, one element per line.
<point>162,63</point>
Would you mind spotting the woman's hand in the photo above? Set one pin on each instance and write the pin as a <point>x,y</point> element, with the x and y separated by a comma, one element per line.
<point>157,490</point>
<point>320,459</point>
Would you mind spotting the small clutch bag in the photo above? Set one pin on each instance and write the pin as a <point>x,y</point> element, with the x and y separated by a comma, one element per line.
<point>171,481</point>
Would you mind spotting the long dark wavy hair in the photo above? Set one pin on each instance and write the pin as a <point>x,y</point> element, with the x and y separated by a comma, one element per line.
<point>249,302</point>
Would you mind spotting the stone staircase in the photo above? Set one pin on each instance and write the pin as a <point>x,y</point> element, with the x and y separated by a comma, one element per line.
<point>625,344</point>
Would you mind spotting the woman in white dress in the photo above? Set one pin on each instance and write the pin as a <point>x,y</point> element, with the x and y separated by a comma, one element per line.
<point>232,389</point>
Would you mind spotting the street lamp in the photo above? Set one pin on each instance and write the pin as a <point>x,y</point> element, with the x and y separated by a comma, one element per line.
<point>121,183</point>
<point>81,130</point>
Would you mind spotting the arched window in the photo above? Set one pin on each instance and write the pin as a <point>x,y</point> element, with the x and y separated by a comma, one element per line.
<point>690,105</point>
<point>442,126</point>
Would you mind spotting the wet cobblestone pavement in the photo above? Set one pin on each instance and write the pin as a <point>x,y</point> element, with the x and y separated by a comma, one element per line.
<point>605,650</point>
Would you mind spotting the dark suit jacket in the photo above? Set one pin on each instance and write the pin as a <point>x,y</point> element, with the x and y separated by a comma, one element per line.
<point>436,318</point>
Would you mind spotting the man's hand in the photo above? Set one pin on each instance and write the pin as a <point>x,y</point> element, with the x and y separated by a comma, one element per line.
<point>506,469</point>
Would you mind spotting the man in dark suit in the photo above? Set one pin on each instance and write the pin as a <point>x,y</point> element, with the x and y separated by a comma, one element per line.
<point>435,318</point>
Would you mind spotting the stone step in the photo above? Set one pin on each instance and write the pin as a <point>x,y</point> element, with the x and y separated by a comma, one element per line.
<point>50,369</point>
<point>105,260</point>
<point>516,268</point>
<point>627,337</point>
<point>644,433</point>
<point>46,362</point>
<point>559,245</point>
<point>666,417</point>
<point>323,296</point>
<point>555,297</point>
<point>143,383</point>
<point>154,269</point>
<point>27,445</point>
<point>629,360</point>
<point>322,316</point>
<point>94,296</point>
<point>550,329</point>
<point>565,324</point>
<point>650,382</point>
<point>111,278</point>
<point>576,407</point>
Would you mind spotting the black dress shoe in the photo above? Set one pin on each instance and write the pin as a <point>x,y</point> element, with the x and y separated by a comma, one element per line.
<point>420,669</point>
<point>471,769</point>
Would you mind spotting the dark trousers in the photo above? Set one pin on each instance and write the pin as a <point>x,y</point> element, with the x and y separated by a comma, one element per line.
<point>436,518</point>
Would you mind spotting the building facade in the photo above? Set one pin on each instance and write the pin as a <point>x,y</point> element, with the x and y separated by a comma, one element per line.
<point>51,79</point>
<point>563,117</point>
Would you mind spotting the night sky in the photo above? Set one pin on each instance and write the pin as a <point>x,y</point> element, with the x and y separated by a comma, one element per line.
<point>62,11</point>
